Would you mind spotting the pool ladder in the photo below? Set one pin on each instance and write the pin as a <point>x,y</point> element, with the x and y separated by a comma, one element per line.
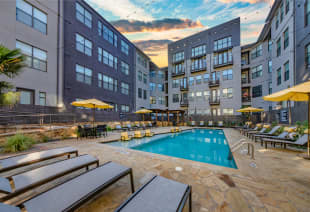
<point>240,143</point>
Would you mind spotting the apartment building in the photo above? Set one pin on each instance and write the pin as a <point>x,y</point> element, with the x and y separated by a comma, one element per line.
<point>35,27</point>
<point>99,60</point>
<point>204,71</point>
<point>142,80</point>
<point>158,87</point>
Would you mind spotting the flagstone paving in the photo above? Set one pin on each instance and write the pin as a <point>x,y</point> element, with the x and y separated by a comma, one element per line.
<point>277,180</point>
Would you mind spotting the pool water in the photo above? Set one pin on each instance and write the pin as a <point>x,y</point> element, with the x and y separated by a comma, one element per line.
<point>203,145</point>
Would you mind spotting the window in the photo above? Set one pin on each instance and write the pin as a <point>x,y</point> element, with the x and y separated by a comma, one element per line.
<point>278,47</point>
<point>222,43</point>
<point>281,12</point>
<point>257,71</point>
<point>277,20</point>
<point>152,86</point>
<point>140,93</point>
<point>83,15</point>
<point>124,68</point>
<point>199,64</point>
<point>286,39</point>
<point>179,68</point>
<point>175,98</point>
<point>307,12</point>
<point>206,95</point>
<point>257,51</point>
<point>124,88</point>
<point>287,6</point>
<point>286,71</point>
<point>42,98</point>
<point>26,97</point>
<point>152,100</point>
<point>199,95</point>
<point>145,78</point>
<point>269,87</point>
<point>124,47</point>
<point>140,76</point>
<point>31,16</point>
<point>257,91</point>
<point>191,96</point>
<point>175,83</point>
<point>228,111</point>
<point>161,75</point>
<point>160,87</point>
<point>198,79</point>
<point>227,93</point>
<point>107,34</point>
<point>269,66</point>
<point>191,81</point>
<point>227,74</point>
<point>279,76</point>
<point>178,57</point>
<point>34,57</point>
<point>161,100</point>
<point>141,60</point>
<point>107,58</point>
<point>125,108</point>
<point>152,74</point>
<point>83,45</point>
<point>206,77</point>
<point>199,50</point>
<point>83,74</point>
<point>308,55</point>
<point>222,58</point>
<point>144,94</point>
<point>270,46</point>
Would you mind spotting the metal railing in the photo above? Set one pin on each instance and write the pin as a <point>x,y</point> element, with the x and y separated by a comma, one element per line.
<point>240,143</point>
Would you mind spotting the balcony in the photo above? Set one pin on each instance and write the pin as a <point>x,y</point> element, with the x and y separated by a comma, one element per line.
<point>245,80</point>
<point>213,83</point>
<point>198,56</point>
<point>214,101</point>
<point>222,49</point>
<point>184,103</point>
<point>244,62</point>
<point>183,88</point>
<point>176,74</point>
<point>228,63</point>
<point>178,61</point>
<point>196,70</point>
<point>246,99</point>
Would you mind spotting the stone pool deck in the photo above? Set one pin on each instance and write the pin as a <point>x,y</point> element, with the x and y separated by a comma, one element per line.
<point>277,180</point>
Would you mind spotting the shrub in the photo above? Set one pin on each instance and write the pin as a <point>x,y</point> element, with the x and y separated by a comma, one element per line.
<point>18,142</point>
<point>109,128</point>
<point>45,138</point>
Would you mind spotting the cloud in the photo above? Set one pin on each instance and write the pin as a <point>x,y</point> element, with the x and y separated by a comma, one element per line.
<point>152,45</point>
<point>124,9</point>
<point>131,26</point>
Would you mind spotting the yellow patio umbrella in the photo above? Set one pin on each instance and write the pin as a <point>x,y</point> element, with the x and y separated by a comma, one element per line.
<point>250,110</point>
<point>143,111</point>
<point>93,104</point>
<point>299,93</point>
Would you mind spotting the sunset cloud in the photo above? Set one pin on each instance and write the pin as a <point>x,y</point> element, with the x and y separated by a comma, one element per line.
<point>132,26</point>
<point>152,45</point>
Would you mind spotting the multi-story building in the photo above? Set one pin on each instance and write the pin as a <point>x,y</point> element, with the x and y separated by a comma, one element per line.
<point>142,79</point>
<point>99,60</point>
<point>35,27</point>
<point>204,71</point>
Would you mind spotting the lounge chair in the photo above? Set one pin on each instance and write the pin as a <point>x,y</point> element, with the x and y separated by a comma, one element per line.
<point>210,123</point>
<point>149,124</point>
<point>270,133</point>
<point>256,128</point>
<point>148,133</point>
<point>177,129</point>
<point>36,177</point>
<point>138,134</point>
<point>10,163</point>
<point>71,194</point>
<point>283,136</point>
<point>137,125</point>
<point>125,136</point>
<point>250,133</point>
<point>193,123</point>
<point>159,194</point>
<point>220,124</point>
<point>202,124</point>
<point>302,140</point>
<point>172,130</point>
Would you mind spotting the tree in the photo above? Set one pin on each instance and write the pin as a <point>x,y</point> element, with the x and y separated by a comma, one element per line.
<point>11,63</point>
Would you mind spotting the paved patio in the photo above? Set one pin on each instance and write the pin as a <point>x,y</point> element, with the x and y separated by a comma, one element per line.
<point>277,180</point>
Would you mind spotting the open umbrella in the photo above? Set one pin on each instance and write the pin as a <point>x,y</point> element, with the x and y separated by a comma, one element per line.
<point>143,111</point>
<point>93,104</point>
<point>298,93</point>
<point>250,110</point>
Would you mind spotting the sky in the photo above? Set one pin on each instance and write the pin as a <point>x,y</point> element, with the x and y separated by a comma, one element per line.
<point>153,24</point>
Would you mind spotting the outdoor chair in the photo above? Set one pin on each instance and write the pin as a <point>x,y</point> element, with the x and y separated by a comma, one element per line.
<point>202,124</point>
<point>252,133</point>
<point>270,133</point>
<point>28,180</point>
<point>148,133</point>
<point>257,128</point>
<point>159,194</point>
<point>302,140</point>
<point>177,129</point>
<point>125,136</point>
<point>172,130</point>
<point>138,134</point>
<point>14,162</point>
<point>118,127</point>
<point>193,123</point>
<point>71,194</point>
<point>210,123</point>
<point>283,136</point>
<point>220,124</point>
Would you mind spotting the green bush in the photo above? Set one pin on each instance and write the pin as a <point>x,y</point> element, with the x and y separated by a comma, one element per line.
<point>109,128</point>
<point>18,142</point>
<point>45,138</point>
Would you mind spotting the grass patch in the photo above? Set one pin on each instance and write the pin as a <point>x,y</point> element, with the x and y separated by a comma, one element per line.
<point>17,143</point>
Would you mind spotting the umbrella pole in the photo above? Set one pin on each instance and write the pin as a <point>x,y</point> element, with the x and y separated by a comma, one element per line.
<point>289,113</point>
<point>308,125</point>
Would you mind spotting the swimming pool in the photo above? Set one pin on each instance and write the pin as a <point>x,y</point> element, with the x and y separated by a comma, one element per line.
<point>203,145</point>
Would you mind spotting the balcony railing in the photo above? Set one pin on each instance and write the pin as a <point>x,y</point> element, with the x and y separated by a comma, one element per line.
<point>228,63</point>
<point>244,62</point>
<point>213,83</point>
<point>178,61</point>
<point>215,101</point>
<point>245,80</point>
<point>175,74</point>
<point>246,99</point>
<point>195,70</point>
<point>184,103</point>
<point>183,88</point>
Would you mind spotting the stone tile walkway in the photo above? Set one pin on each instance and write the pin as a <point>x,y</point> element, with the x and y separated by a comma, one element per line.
<point>277,180</point>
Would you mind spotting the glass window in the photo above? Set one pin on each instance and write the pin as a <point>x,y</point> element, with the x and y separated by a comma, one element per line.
<point>278,47</point>
<point>178,57</point>
<point>227,74</point>
<point>287,6</point>
<point>227,93</point>
<point>270,46</point>
<point>307,55</point>
<point>270,66</point>
<point>269,87</point>
<point>83,74</point>
<point>228,111</point>
<point>222,58</point>
<point>307,12</point>
<point>257,91</point>
<point>206,77</point>
<point>144,94</point>
<point>199,50</point>
<point>191,81</point>
<point>257,71</point>
<point>286,38</point>
<point>152,86</point>
<point>175,83</point>
<point>286,71</point>
<point>198,79</point>
<point>145,78</point>
<point>125,108</point>
<point>152,100</point>
<point>83,15</point>
<point>175,98</point>
<point>124,68</point>
<point>140,76</point>
<point>124,88</point>
<point>140,93</point>
<point>279,77</point>
<point>107,34</point>
<point>83,45</point>
<point>222,43</point>
<point>124,47</point>
<point>257,51</point>
<point>42,98</point>
<point>277,20</point>
<point>26,96</point>
<point>281,12</point>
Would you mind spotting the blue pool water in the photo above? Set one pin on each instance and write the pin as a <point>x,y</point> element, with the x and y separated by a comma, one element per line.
<point>203,145</point>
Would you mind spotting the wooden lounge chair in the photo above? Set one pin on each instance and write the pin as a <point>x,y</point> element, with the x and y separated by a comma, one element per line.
<point>125,136</point>
<point>138,134</point>
<point>257,128</point>
<point>36,177</point>
<point>172,130</point>
<point>243,131</point>
<point>71,194</point>
<point>250,133</point>
<point>148,133</point>
<point>159,195</point>
<point>270,133</point>
<point>10,163</point>
<point>177,129</point>
<point>283,136</point>
<point>220,124</point>
<point>302,140</point>
<point>210,123</point>
<point>202,124</point>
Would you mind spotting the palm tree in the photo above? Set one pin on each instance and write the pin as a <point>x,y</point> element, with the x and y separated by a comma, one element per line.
<point>11,63</point>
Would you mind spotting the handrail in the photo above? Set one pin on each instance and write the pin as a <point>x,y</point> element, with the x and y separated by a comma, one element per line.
<point>240,143</point>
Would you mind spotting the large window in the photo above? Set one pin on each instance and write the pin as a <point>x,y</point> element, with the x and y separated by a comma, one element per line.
<point>83,74</point>
<point>179,68</point>
<point>257,71</point>
<point>286,38</point>
<point>199,64</point>
<point>107,34</point>
<point>35,58</point>
<point>277,20</point>
<point>152,100</point>
<point>144,78</point>
<point>160,87</point>
<point>178,57</point>
<point>139,93</point>
<point>26,97</point>
<point>125,68</point>
<point>228,111</point>
<point>83,45</point>
<point>124,47</point>
<point>286,71</point>
<point>227,93</point>
<point>42,98</point>
<point>107,58</point>
<point>142,60</point>
<point>107,82</point>
<point>270,46</point>
<point>199,50</point>
<point>198,79</point>
<point>270,66</point>
<point>125,108</point>
<point>175,83</point>
<point>206,78</point>
<point>31,16</point>
<point>222,58</point>
<point>281,12</point>
<point>228,74</point>
<point>308,55</point>
<point>279,76</point>
<point>83,15</point>
<point>307,12</point>
<point>278,47</point>
<point>152,86</point>
<point>222,43</point>
<point>287,6</point>
<point>269,87</point>
<point>175,98</point>
<point>257,51</point>
<point>191,81</point>
<point>257,91</point>
<point>144,94</point>
<point>124,88</point>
